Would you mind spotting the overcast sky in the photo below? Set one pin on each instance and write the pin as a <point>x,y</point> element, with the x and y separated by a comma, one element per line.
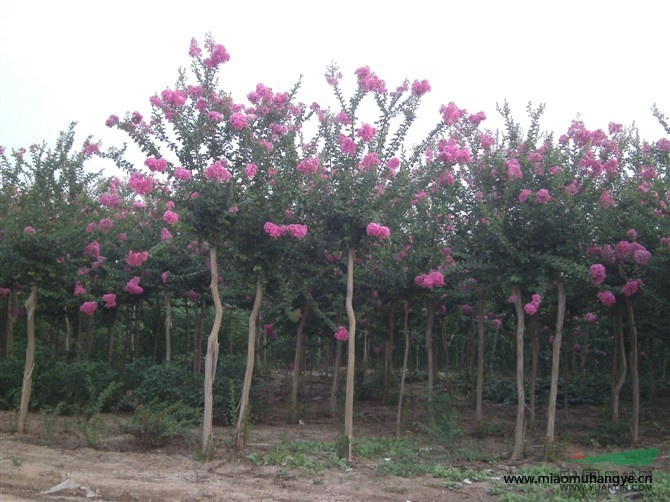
<point>67,60</point>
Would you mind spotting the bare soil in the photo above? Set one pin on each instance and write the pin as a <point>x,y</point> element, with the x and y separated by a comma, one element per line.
<point>117,470</point>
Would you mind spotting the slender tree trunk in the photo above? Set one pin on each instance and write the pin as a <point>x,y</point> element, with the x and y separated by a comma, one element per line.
<point>80,330</point>
<point>297,362</point>
<point>535,348</point>
<point>479,414</point>
<point>240,431</point>
<point>11,316</point>
<point>336,379</point>
<point>68,336</point>
<point>31,305</point>
<point>445,344</point>
<point>519,431</point>
<point>430,322</point>
<point>405,332</point>
<point>212,351</point>
<point>388,351</point>
<point>351,354</point>
<point>565,375</point>
<point>621,350</point>
<point>555,362</point>
<point>634,377</point>
<point>168,325</point>
<point>494,350</point>
<point>199,323</point>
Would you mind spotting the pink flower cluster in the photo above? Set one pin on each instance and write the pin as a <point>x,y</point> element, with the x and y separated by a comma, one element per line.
<point>217,54</point>
<point>598,273</point>
<point>430,280</point>
<point>192,295</point>
<point>606,298</point>
<point>533,305</point>
<point>513,169</point>
<point>295,230</point>
<point>28,230</point>
<point>270,331</point>
<point>451,153</point>
<point>218,172</point>
<point>451,113</point>
<point>79,289</point>
<point>542,196</point>
<point>140,184</point>
<point>342,334</point>
<point>366,132</point>
<point>133,287</point>
<point>370,161</point>
<point>110,300</point>
<point>380,231</point>
<point>88,308</point>
<point>369,82</point>
<point>170,217</point>
<point>251,170</point>
<point>137,259</point>
<point>420,88</point>
<point>631,287</point>
<point>239,121</point>
<point>347,145</point>
<point>92,250</point>
<point>308,166</point>
<point>182,174</point>
<point>155,164</point>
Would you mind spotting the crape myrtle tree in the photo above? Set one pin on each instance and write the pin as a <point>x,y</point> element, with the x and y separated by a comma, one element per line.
<point>45,193</point>
<point>218,160</point>
<point>356,167</point>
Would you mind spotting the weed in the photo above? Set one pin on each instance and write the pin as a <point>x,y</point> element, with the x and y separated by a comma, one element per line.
<point>400,490</point>
<point>49,420</point>
<point>210,450</point>
<point>155,424</point>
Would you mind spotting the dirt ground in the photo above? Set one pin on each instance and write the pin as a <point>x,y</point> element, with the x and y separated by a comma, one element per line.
<point>118,471</point>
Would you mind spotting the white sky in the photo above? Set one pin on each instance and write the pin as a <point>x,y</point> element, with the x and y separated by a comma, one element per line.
<point>66,60</point>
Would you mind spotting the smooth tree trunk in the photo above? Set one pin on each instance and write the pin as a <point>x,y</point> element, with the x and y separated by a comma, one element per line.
<point>240,437</point>
<point>212,351</point>
<point>555,365</point>
<point>519,429</point>
<point>405,360</point>
<point>168,326</point>
<point>31,305</point>
<point>479,413</point>
<point>351,354</point>
<point>634,376</point>
<point>332,405</point>
<point>430,322</point>
<point>652,371</point>
<point>619,348</point>
<point>298,362</point>
<point>388,360</point>
<point>535,349</point>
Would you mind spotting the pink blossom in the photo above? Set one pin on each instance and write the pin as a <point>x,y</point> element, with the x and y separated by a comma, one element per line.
<point>88,308</point>
<point>270,331</point>
<point>92,250</point>
<point>451,113</point>
<point>370,161</point>
<point>109,200</point>
<point>432,279</point>
<point>377,350</point>
<point>477,118</point>
<point>380,231</point>
<point>623,249</point>
<point>112,121</point>
<point>4,292</point>
<point>105,225</point>
<point>511,299</point>
<point>137,259</point>
<point>632,234</point>
<point>123,237</point>
<point>194,50</point>
<point>133,286</point>
<point>155,164</point>
<point>663,144</point>
<point>140,184</point>
<point>217,172</point>
<point>342,334</point>
<point>79,289</point>
<point>420,88</point>
<point>496,323</point>
<point>342,118</point>
<point>366,132</point>
<point>192,295</point>
<point>182,174</point>
<point>215,116</point>
<point>170,217</point>
<point>530,308</point>
<point>542,196</point>
<point>641,256</point>
<point>369,81</point>
<point>251,170</point>
<point>238,121</point>
<point>486,140</point>
<point>91,227</point>
<point>523,195</point>
<point>631,287</point>
<point>110,300</point>
<point>590,317</point>
<point>598,273</point>
<point>347,145</point>
<point>308,166</point>
<point>606,199</point>
<point>297,231</point>
<point>217,56</point>
<point>164,276</point>
<point>275,231</point>
<point>466,309</point>
<point>513,169</point>
<point>28,230</point>
<point>166,235</point>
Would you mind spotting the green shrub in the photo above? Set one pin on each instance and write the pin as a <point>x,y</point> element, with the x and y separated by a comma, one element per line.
<point>156,423</point>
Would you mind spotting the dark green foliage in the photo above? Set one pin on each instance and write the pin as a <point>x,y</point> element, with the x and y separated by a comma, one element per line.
<point>157,423</point>
<point>11,376</point>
